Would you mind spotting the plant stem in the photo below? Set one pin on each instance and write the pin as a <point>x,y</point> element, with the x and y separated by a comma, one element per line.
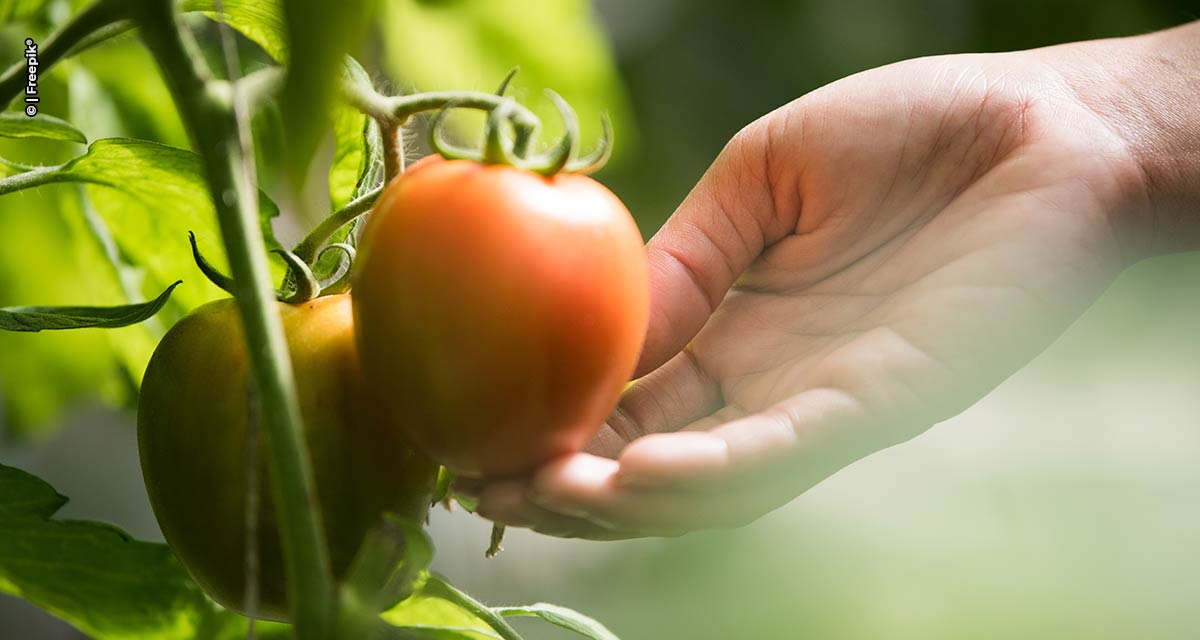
<point>478,609</point>
<point>398,109</point>
<point>96,16</point>
<point>28,179</point>
<point>307,249</point>
<point>214,128</point>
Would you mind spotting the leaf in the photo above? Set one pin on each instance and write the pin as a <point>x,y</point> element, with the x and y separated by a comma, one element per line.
<point>57,318</point>
<point>14,10</point>
<point>41,374</point>
<point>426,612</point>
<point>319,34</point>
<point>262,21</point>
<point>431,632</point>
<point>556,43</point>
<point>568,619</point>
<point>352,155</point>
<point>95,576</point>
<point>18,125</point>
<point>155,194</point>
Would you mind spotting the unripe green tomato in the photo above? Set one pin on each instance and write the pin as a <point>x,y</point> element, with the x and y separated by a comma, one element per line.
<point>499,313</point>
<point>193,416</point>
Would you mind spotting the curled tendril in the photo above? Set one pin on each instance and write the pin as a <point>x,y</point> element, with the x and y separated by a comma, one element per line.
<point>600,155</point>
<point>444,148</point>
<point>300,285</point>
<point>554,160</point>
<point>214,276</point>
<point>340,281</point>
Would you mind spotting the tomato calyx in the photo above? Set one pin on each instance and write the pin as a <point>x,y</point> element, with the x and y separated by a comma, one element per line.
<point>300,284</point>
<point>512,150</point>
<point>509,133</point>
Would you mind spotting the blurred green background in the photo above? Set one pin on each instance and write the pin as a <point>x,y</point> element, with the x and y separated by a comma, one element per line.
<point>1064,505</point>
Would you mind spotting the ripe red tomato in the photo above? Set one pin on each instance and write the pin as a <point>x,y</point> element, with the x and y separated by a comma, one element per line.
<point>498,312</point>
<point>193,438</point>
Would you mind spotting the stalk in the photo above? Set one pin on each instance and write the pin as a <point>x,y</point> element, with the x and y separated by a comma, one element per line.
<point>213,125</point>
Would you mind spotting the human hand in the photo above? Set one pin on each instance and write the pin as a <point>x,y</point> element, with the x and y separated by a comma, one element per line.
<point>855,267</point>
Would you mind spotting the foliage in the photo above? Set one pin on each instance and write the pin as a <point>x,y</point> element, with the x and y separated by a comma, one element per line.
<point>106,228</point>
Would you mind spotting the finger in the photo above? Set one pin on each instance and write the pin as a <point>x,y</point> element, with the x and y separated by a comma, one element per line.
<point>813,433</point>
<point>507,503</point>
<point>668,484</point>
<point>586,488</point>
<point>666,399</point>
<point>715,234</point>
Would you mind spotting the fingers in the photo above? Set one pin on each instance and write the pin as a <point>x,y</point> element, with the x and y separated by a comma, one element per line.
<point>668,398</point>
<point>715,234</point>
<point>671,483</point>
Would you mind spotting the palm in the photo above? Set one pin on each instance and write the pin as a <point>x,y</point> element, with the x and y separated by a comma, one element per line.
<point>910,237</point>
<point>943,238</point>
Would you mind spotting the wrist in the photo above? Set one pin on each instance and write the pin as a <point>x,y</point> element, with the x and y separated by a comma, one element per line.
<point>1147,89</point>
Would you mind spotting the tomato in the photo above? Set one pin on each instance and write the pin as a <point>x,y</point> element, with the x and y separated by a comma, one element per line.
<point>193,437</point>
<point>499,313</point>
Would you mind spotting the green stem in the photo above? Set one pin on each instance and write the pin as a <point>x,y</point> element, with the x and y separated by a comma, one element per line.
<point>95,17</point>
<point>398,109</point>
<point>254,89</point>
<point>214,128</point>
<point>478,609</point>
<point>28,179</point>
<point>307,249</point>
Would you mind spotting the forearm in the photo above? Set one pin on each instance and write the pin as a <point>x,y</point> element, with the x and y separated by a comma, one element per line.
<point>1148,89</point>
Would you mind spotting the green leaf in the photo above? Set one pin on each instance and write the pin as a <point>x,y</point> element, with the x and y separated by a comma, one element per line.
<point>154,195</point>
<point>14,10</point>
<point>95,576</point>
<point>56,318</point>
<point>319,34</point>
<point>568,619</point>
<point>57,261</point>
<point>424,612</point>
<point>432,632</point>
<point>353,156</point>
<point>262,21</point>
<point>18,125</point>
<point>144,198</point>
<point>445,482</point>
<point>473,44</point>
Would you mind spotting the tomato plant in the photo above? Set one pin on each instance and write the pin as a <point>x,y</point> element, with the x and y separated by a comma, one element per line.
<point>499,312</point>
<point>194,431</point>
<point>282,478</point>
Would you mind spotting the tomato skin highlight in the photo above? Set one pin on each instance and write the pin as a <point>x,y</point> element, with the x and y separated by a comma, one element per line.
<point>499,313</point>
<point>193,437</point>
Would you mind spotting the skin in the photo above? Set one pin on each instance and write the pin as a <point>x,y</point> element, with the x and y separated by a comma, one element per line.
<point>874,258</point>
<point>541,314</point>
<point>193,434</point>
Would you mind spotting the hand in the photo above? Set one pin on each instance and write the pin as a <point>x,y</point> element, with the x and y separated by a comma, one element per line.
<point>855,267</point>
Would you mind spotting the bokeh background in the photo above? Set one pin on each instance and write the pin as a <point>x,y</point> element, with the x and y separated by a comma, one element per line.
<point>1064,505</point>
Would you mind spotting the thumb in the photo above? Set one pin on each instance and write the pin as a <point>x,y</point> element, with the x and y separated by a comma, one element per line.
<point>715,234</point>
